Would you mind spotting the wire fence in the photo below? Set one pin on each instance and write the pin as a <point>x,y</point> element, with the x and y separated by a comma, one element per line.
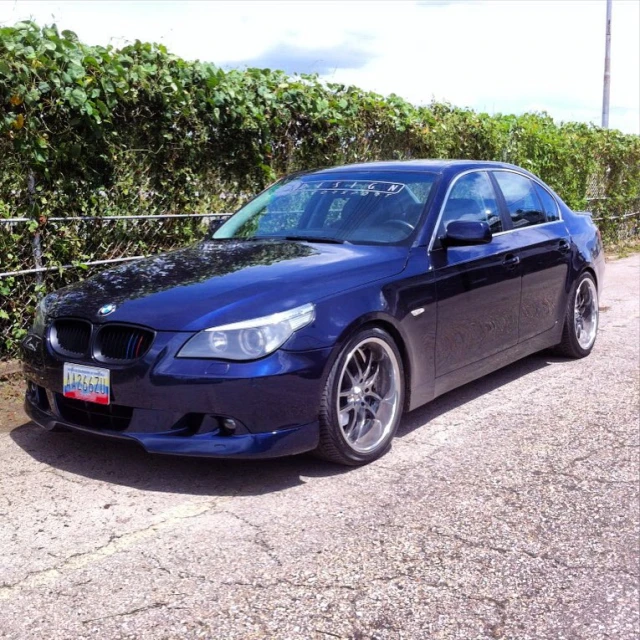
<point>40,256</point>
<point>29,247</point>
<point>619,229</point>
<point>625,217</point>
<point>615,227</point>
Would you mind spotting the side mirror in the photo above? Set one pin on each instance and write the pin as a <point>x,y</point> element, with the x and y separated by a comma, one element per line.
<point>463,233</point>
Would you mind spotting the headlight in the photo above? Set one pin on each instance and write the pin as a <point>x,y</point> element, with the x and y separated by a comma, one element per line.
<point>40,319</point>
<point>249,339</point>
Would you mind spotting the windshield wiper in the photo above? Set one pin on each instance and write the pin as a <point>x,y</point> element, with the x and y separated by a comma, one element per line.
<point>316,239</point>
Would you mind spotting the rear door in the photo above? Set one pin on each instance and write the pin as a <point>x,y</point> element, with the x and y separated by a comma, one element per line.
<point>478,287</point>
<point>544,247</point>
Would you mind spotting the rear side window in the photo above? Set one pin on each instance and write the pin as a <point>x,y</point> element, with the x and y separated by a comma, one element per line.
<point>549,203</point>
<point>522,200</point>
<point>472,198</point>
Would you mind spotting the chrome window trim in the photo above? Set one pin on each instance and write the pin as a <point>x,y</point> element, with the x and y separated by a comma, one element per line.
<point>487,169</point>
<point>530,226</point>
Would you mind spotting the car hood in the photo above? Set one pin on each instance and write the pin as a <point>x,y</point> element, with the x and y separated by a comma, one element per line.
<point>217,282</point>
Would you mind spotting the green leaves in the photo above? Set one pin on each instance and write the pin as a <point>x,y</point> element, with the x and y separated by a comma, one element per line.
<point>77,97</point>
<point>137,130</point>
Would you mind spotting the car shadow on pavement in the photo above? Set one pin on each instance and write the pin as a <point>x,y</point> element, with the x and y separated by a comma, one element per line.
<point>472,390</point>
<point>127,464</point>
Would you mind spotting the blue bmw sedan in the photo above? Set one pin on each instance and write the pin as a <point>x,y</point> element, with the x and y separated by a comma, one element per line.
<point>319,313</point>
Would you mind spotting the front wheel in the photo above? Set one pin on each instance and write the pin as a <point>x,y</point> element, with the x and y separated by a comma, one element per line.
<point>363,400</point>
<point>581,319</point>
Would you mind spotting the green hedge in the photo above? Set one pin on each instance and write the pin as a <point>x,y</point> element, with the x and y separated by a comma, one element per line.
<point>89,130</point>
<point>109,131</point>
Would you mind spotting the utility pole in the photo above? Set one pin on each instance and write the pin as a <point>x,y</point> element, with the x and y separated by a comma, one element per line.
<point>606,89</point>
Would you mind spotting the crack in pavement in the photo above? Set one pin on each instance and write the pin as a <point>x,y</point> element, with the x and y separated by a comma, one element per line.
<point>328,633</point>
<point>359,593</point>
<point>67,477</point>
<point>579,480</point>
<point>154,605</point>
<point>545,557</point>
<point>485,546</point>
<point>258,538</point>
<point>461,524</point>
<point>115,544</point>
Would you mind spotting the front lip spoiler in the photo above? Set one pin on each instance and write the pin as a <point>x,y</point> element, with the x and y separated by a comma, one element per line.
<point>272,444</point>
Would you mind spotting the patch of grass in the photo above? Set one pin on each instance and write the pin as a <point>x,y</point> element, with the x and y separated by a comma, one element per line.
<point>622,249</point>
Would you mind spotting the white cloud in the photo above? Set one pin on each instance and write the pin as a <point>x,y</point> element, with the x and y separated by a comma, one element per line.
<point>499,56</point>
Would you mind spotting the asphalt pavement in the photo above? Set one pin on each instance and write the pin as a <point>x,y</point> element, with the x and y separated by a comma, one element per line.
<point>508,508</point>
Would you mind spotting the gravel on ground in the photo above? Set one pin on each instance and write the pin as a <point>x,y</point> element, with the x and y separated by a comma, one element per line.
<point>508,508</point>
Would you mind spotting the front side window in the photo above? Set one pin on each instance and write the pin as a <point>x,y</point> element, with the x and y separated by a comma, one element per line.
<point>472,198</point>
<point>381,207</point>
<point>522,201</point>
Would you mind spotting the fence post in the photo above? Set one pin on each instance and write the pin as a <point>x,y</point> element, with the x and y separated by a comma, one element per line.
<point>36,246</point>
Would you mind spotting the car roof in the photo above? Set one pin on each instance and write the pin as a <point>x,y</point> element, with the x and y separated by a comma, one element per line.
<point>437,166</point>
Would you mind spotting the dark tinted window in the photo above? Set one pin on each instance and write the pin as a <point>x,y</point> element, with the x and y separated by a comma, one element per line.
<point>368,207</point>
<point>549,203</point>
<point>522,201</point>
<point>472,198</point>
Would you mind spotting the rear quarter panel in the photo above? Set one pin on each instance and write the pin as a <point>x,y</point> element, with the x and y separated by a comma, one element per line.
<point>586,238</point>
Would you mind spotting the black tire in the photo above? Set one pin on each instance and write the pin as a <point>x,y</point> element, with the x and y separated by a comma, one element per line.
<point>570,346</point>
<point>334,445</point>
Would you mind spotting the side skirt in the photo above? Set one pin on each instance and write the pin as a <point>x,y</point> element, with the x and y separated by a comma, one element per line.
<point>492,363</point>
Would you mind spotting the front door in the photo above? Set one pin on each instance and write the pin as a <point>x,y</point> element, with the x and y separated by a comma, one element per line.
<point>478,287</point>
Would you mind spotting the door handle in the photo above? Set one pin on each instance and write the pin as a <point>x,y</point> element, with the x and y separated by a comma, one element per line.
<point>563,246</point>
<point>511,261</point>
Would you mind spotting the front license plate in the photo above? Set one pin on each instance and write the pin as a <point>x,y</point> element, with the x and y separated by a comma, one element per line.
<point>86,383</point>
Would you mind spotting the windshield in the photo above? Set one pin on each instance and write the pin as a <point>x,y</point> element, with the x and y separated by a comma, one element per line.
<point>372,207</point>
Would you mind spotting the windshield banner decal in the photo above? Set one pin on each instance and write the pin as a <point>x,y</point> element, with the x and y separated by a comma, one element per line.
<point>347,186</point>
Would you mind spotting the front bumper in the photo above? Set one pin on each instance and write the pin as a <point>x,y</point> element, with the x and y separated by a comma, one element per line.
<point>180,406</point>
<point>272,444</point>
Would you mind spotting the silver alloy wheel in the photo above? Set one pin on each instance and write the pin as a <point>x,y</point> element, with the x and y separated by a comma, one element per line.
<point>368,399</point>
<point>585,314</point>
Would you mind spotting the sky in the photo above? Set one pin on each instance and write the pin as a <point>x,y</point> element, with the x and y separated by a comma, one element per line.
<point>498,56</point>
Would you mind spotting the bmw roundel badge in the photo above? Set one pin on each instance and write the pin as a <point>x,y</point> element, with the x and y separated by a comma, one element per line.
<point>106,309</point>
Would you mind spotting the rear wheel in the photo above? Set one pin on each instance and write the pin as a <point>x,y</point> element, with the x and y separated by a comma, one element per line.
<point>581,319</point>
<point>363,400</point>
